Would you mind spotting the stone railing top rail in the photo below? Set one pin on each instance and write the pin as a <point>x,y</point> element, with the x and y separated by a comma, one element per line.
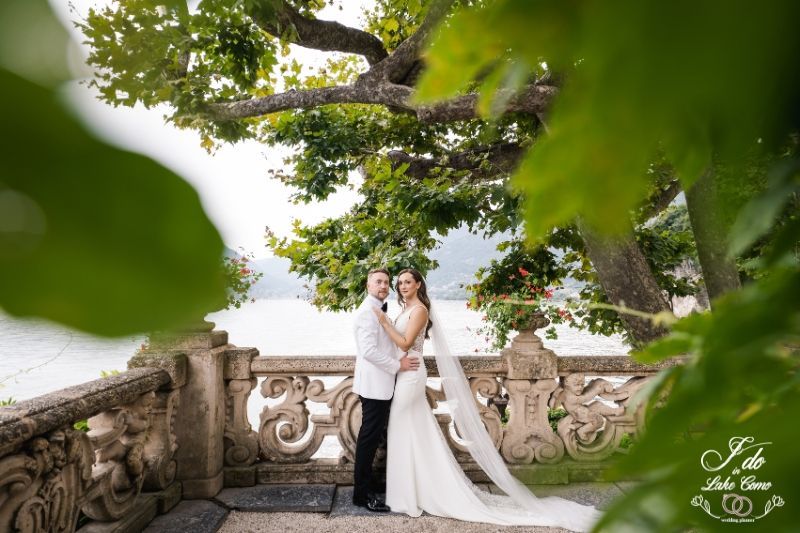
<point>29,418</point>
<point>488,365</point>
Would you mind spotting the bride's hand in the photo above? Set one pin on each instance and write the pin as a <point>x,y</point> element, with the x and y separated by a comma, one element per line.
<point>381,315</point>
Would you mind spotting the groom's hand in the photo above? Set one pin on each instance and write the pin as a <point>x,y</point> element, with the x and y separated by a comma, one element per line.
<point>409,363</point>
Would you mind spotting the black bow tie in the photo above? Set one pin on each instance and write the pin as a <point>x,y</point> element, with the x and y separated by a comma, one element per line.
<point>385,307</point>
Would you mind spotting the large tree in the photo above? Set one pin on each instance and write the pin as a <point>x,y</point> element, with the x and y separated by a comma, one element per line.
<point>421,169</point>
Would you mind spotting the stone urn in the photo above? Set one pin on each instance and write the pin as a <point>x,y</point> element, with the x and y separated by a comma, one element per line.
<point>537,320</point>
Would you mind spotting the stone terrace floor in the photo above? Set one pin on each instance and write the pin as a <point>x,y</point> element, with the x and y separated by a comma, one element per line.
<point>328,508</point>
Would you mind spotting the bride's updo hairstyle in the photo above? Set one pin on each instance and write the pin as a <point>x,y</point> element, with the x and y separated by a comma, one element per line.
<point>422,293</point>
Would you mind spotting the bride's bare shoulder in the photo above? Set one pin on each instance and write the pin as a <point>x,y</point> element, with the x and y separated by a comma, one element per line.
<point>419,309</point>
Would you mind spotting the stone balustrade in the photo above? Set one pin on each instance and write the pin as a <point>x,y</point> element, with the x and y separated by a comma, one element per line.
<point>175,426</point>
<point>49,471</point>
<point>529,378</point>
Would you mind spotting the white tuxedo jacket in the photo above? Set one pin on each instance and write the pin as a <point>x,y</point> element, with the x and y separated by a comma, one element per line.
<point>377,356</point>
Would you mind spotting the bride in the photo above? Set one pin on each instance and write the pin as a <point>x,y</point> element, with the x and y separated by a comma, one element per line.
<point>421,472</point>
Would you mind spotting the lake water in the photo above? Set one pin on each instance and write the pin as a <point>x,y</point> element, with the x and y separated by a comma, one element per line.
<point>38,357</point>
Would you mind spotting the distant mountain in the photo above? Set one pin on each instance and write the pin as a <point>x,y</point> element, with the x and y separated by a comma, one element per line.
<point>277,281</point>
<point>460,255</point>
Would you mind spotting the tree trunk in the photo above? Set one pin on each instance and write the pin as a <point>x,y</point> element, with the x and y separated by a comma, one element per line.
<point>626,279</point>
<point>711,229</point>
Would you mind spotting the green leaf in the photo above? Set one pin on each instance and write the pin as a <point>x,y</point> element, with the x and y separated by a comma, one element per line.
<point>675,344</point>
<point>499,87</point>
<point>757,217</point>
<point>391,25</point>
<point>94,237</point>
<point>454,61</point>
<point>33,43</point>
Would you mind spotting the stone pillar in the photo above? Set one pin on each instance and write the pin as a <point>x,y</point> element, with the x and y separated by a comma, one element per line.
<point>532,372</point>
<point>240,441</point>
<point>200,419</point>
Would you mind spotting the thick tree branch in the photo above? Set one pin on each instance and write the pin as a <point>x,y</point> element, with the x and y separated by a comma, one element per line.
<point>390,95</point>
<point>396,67</point>
<point>380,85</point>
<point>320,34</point>
<point>532,99</point>
<point>483,163</point>
<point>662,200</point>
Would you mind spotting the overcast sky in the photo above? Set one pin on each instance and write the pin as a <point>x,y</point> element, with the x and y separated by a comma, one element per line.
<point>233,185</point>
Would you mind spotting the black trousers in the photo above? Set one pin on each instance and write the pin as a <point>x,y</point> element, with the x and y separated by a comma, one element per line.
<point>374,418</point>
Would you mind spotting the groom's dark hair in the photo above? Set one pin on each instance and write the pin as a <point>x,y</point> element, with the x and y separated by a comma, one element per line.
<point>379,270</point>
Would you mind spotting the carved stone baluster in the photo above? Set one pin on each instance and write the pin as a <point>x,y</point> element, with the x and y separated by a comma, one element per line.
<point>284,425</point>
<point>344,417</point>
<point>531,378</point>
<point>41,486</point>
<point>241,442</point>
<point>445,421</point>
<point>490,416</point>
<point>487,387</point>
<point>118,437</point>
<point>528,436</point>
<point>162,442</point>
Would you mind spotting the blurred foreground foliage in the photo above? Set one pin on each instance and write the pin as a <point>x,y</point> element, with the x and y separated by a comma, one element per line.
<point>91,236</point>
<point>701,84</point>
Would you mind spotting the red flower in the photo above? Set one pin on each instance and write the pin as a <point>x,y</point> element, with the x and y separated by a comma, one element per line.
<point>548,293</point>
<point>468,305</point>
<point>523,272</point>
<point>244,271</point>
<point>504,296</point>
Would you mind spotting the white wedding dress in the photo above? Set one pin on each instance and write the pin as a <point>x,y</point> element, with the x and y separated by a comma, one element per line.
<point>423,475</point>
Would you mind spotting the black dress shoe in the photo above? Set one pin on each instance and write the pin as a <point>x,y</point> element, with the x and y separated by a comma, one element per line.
<point>373,503</point>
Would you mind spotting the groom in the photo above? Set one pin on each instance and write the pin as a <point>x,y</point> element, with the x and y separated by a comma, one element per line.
<point>377,365</point>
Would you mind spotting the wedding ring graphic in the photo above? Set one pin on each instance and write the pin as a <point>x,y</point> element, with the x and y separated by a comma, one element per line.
<point>737,505</point>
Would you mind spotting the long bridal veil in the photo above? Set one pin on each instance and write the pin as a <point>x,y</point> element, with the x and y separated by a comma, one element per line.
<point>464,412</point>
